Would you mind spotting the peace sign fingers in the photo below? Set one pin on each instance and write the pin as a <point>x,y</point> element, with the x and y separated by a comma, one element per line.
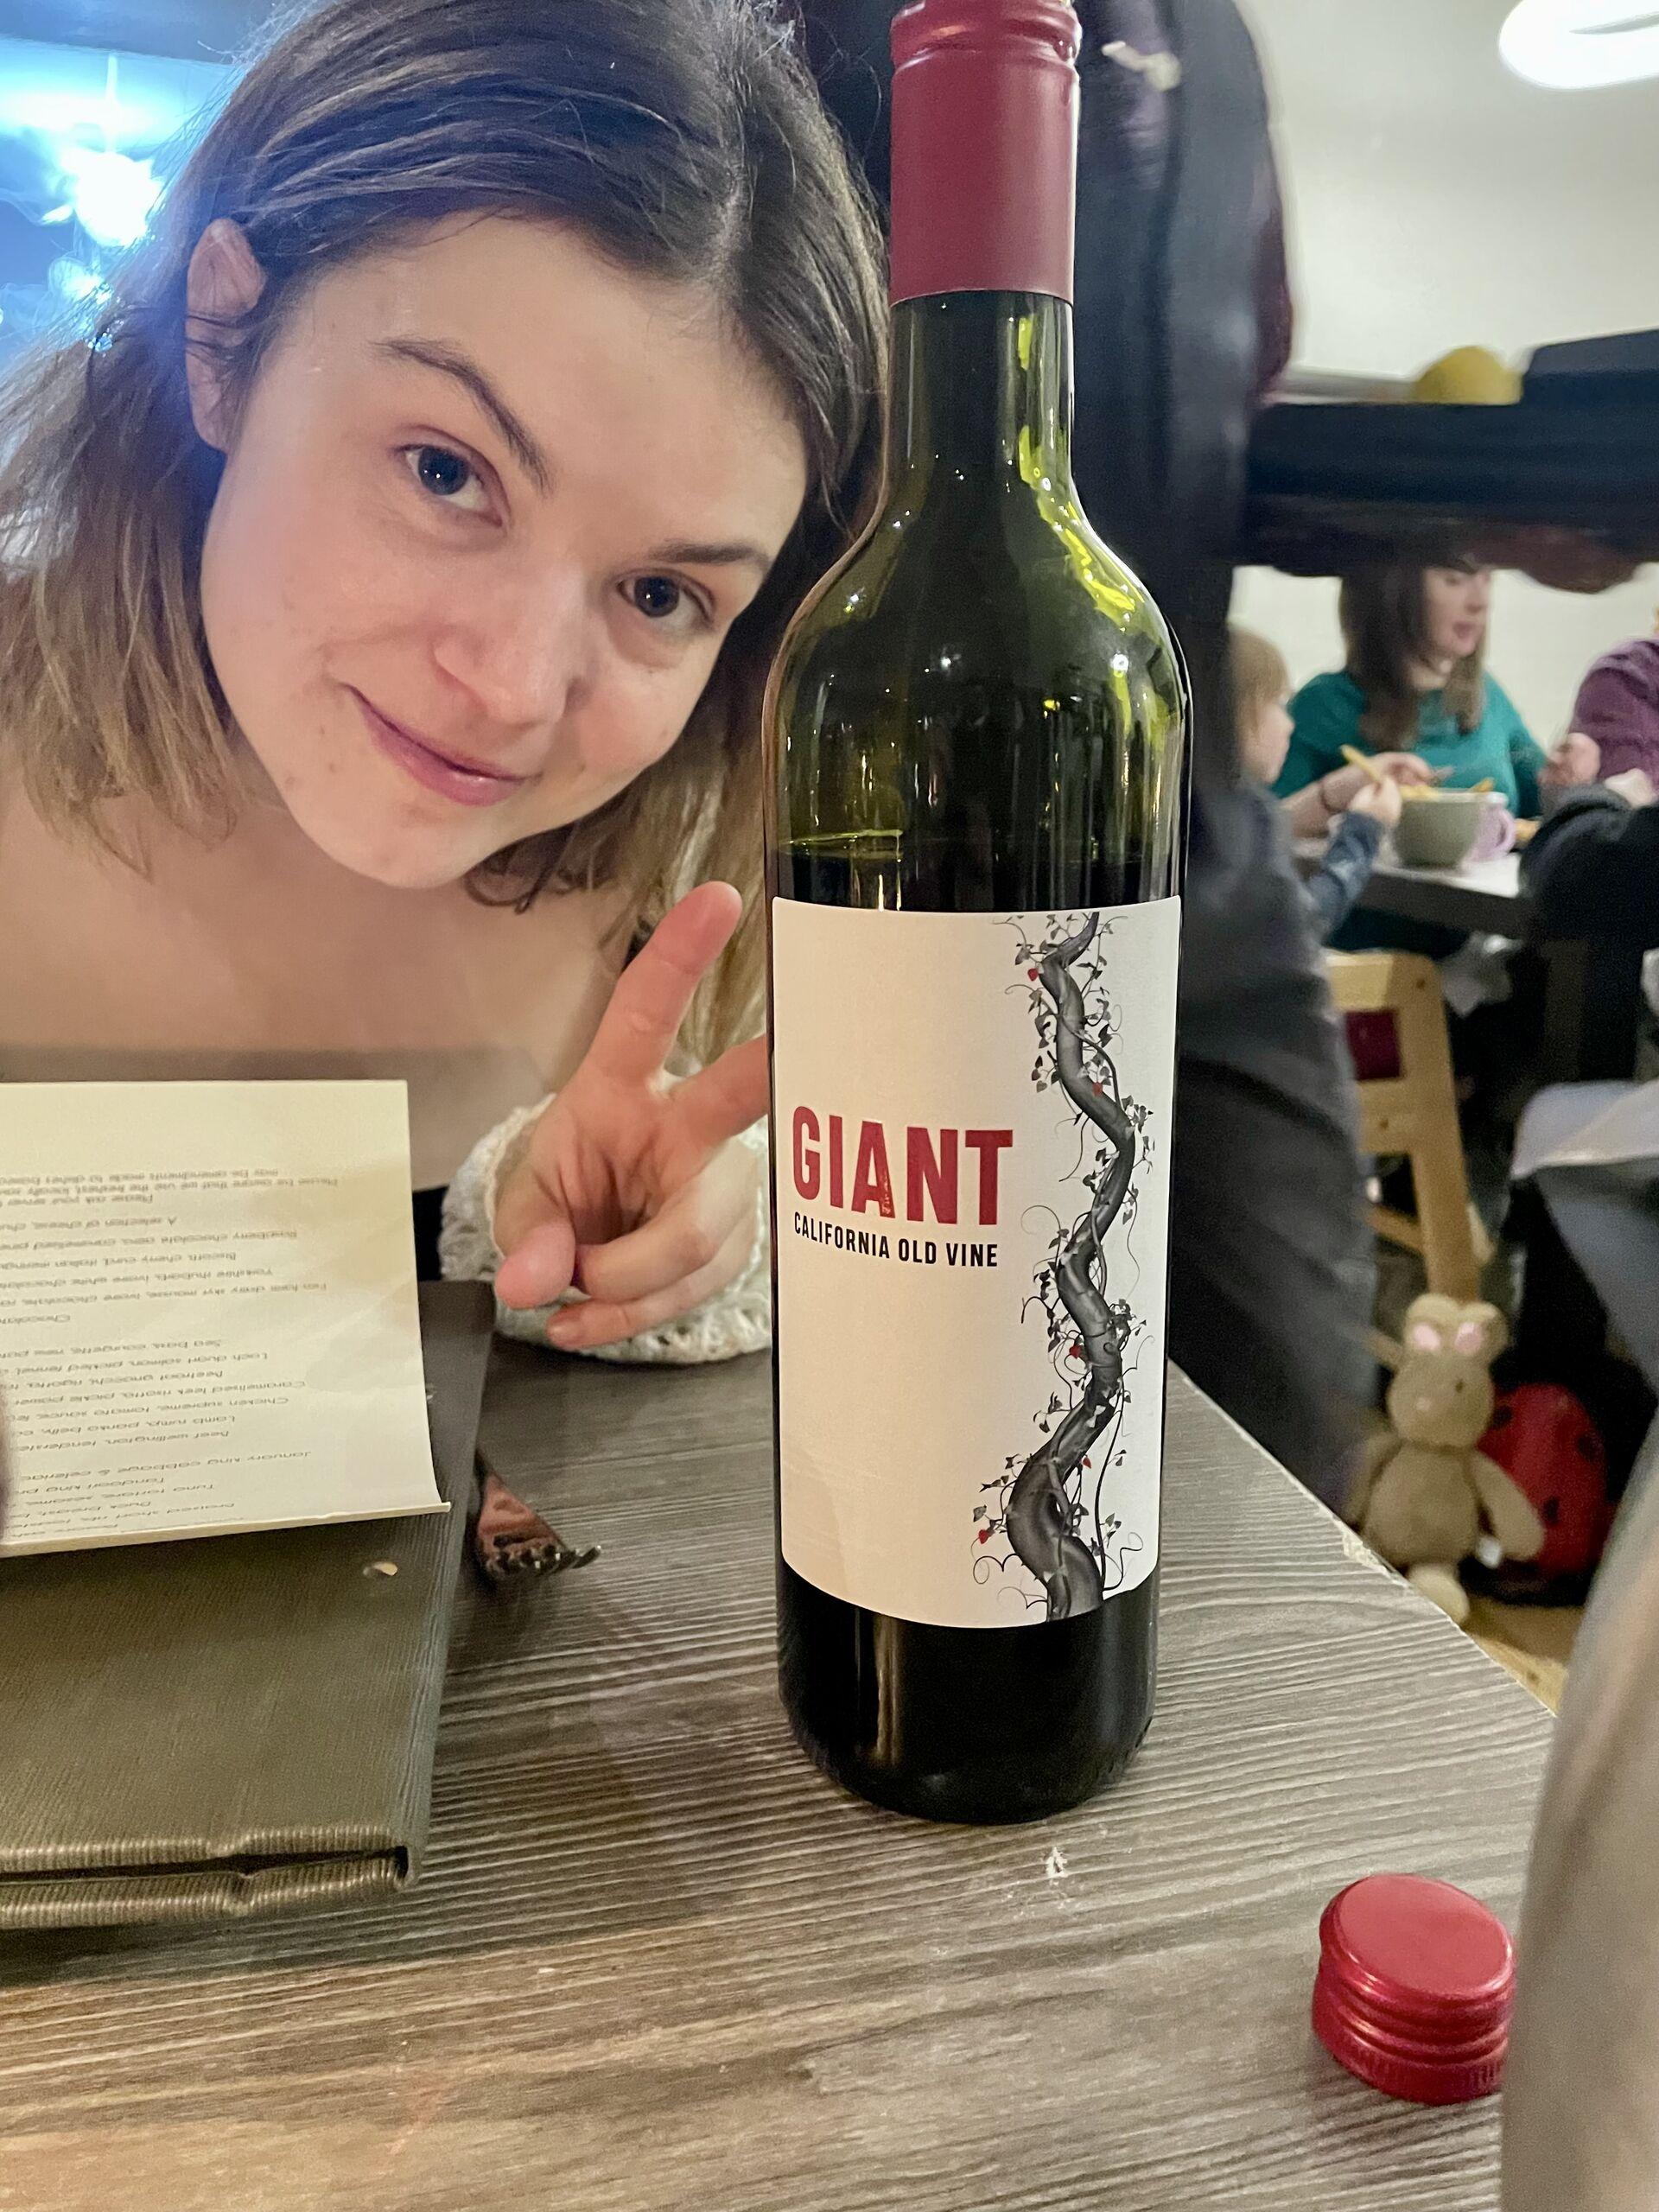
<point>652,994</point>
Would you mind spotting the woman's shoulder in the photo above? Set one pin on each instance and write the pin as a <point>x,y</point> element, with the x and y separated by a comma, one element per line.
<point>1322,721</point>
<point>1327,711</point>
<point>1334,692</point>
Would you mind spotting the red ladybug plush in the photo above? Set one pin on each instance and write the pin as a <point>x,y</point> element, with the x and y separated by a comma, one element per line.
<point>1550,1448</point>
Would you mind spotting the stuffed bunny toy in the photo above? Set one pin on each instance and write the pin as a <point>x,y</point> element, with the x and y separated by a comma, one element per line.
<point>1428,1499</point>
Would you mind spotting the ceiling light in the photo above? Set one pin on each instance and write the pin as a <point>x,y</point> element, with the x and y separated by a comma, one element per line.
<point>1572,46</point>
<point>113,195</point>
<point>128,102</point>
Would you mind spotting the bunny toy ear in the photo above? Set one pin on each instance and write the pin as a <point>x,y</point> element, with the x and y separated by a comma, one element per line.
<point>1471,1337</point>
<point>1423,1336</point>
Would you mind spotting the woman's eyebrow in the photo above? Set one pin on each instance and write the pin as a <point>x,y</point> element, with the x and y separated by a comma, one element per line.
<point>451,361</point>
<point>690,554</point>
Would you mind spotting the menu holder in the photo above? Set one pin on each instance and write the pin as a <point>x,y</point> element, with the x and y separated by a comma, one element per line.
<point>206,1730</point>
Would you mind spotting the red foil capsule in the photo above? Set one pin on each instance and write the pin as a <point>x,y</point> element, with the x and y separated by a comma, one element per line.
<point>984,147</point>
<point>1416,1988</point>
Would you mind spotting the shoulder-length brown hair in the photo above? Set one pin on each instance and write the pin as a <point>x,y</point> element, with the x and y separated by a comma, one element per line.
<point>1385,629</point>
<point>683,138</point>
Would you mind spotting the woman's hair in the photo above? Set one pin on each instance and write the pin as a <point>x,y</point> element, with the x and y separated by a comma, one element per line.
<point>682,138</point>
<point>1385,628</point>
<point>1260,678</point>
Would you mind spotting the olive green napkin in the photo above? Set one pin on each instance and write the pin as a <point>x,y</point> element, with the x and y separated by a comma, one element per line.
<point>198,1731</point>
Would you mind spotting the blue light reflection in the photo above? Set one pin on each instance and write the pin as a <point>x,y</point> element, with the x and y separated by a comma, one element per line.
<point>86,141</point>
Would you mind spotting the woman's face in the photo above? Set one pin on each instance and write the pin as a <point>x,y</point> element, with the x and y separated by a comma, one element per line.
<point>492,506</point>
<point>1455,604</point>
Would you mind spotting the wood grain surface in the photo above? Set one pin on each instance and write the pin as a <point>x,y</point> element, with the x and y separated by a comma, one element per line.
<point>657,1962</point>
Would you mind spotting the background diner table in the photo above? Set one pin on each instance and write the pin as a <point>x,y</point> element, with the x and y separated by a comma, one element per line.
<point>1592,990</point>
<point>656,1961</point>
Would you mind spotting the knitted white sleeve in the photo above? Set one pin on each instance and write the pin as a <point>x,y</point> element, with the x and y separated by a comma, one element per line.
<point>736,1320</point>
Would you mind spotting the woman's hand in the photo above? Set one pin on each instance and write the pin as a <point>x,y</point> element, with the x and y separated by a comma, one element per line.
<point>1576,760</point>
<point>632,1190</point>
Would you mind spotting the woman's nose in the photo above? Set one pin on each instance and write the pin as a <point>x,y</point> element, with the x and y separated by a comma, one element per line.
<point>522,650</point>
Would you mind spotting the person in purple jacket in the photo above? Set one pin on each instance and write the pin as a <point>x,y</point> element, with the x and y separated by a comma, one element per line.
<point>1618,706</point>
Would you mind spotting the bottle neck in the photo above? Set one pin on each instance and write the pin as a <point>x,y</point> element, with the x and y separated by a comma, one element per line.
<point>982,394</point>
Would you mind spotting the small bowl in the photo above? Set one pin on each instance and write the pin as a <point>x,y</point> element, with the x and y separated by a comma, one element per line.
<point>1438,830</point>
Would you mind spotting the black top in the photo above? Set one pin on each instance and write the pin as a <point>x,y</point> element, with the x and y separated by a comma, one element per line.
<point>1594,867</point>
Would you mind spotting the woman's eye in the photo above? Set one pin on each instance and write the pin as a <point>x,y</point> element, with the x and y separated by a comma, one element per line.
<point>447,477</point>
<point>665,601</point>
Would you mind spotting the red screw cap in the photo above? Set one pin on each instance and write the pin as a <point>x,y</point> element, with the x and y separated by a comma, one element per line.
<point>1415,1986</point>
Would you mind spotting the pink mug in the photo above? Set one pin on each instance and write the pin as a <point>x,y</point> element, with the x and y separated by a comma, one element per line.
<point>1495,834</point>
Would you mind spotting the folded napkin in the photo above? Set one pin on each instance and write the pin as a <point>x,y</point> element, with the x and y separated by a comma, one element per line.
<point>198,1731</point>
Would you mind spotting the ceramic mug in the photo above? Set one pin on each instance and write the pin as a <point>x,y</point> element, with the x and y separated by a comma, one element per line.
<point>1495,834</point>
<point>1447,828</point>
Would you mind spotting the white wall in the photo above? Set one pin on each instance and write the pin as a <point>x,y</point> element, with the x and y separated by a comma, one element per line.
<point>1432,200</point>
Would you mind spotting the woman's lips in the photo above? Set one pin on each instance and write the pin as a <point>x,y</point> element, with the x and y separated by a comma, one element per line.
<point>462,780</point>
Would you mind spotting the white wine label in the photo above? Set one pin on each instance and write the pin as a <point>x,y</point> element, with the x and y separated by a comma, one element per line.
<point>971,1118</point>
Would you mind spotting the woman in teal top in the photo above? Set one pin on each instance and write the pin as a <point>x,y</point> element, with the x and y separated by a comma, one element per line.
<point>1329,710</point>
<point>1414,682</point>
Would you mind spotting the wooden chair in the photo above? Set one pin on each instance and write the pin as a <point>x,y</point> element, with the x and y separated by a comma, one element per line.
<point>1414,1112</point>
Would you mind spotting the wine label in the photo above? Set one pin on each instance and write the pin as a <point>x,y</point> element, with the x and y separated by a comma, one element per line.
<point>971,1120</point>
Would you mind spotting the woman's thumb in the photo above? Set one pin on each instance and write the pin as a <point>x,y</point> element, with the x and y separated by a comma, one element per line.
<point>540,1266</point>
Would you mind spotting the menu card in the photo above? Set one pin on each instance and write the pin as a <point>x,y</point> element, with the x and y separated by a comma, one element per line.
<point>208,1314</point>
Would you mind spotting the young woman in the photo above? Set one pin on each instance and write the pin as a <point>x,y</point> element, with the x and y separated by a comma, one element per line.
<point>1413,682</point>
<point>388,589</point>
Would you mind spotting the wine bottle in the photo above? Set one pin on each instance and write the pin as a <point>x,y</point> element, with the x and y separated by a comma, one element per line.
<point>974,766</point>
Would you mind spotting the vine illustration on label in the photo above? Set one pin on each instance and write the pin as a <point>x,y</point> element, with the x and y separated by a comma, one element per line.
<point>1051,1505</point>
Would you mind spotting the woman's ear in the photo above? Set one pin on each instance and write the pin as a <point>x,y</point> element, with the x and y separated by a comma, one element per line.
<point>224,283</point>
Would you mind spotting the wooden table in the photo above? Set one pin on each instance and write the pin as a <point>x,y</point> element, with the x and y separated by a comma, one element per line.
<point>658,1965</point>
<point>1593,989</point>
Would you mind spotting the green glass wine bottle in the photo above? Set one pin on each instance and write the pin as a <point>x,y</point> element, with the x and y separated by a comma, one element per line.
<point>974,783</point>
